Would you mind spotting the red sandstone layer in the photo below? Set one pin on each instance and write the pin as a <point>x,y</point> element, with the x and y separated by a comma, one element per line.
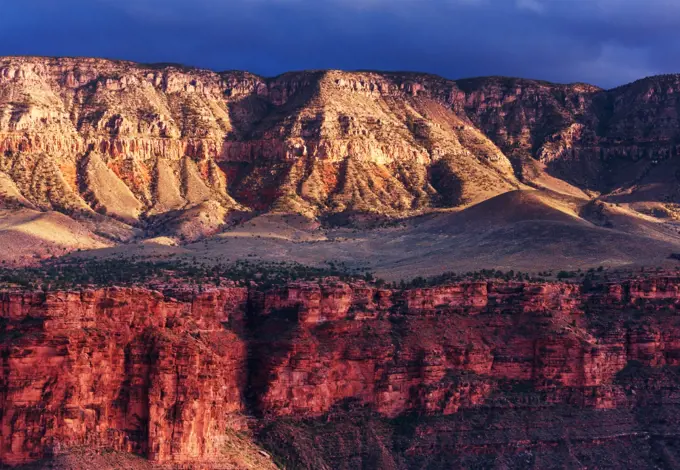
<point>167,375</point>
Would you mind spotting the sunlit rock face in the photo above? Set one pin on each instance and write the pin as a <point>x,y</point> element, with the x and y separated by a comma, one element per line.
<point>120,151</point>
<point>127,369</point>
<point>125,140</point>
<point>168,375</point>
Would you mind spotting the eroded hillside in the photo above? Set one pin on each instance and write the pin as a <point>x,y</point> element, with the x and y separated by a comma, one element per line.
<point>126,152</point>
<point>132,141</point>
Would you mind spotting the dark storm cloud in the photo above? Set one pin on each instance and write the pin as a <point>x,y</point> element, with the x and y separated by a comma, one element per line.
<point>606,42</point>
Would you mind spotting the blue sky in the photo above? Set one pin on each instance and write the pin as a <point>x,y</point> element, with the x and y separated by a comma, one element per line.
<point>604,42</point>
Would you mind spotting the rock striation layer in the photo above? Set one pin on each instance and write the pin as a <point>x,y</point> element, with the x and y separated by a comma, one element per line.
<point>134,141</point>
<point>127,369</point>
<point>107,152</point>
<point>439,376</point>
<point>129,140</point>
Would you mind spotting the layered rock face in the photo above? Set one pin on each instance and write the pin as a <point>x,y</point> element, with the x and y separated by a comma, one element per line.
<point>403,352</point>
<point>131,150</point>
<point>127,369</point>
<point>438,377</point>
<point>128,141</point>
<point>621,141</point>
<point>476,375</point>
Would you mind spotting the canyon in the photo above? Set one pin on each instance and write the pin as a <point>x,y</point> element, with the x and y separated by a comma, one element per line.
<point>389,176</point>
<point>333,374</point>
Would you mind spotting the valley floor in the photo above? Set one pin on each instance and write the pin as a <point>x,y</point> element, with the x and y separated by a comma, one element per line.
<point>528,230</point>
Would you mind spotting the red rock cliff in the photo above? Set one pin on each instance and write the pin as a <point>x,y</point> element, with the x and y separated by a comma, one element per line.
<point>128,369</point>
<point>166,375</point>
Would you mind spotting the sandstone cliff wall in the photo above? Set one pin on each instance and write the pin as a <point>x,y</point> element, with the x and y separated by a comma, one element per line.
<point>134,142</point>
<point>167,374</point>
<point>127,369</point>
<point>119,138</point>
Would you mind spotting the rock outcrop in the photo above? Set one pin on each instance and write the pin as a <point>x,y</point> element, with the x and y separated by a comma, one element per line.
<point>620,142</point>
<point>131,151</point>
<point>128,140</point>
<point>169,375</point>
<point>128,369</point>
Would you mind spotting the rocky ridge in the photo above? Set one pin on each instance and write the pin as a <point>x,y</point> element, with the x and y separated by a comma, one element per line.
<point>134,141</point>
<point>129,140</point>
<point>619,143</point>
<point>108,152</point>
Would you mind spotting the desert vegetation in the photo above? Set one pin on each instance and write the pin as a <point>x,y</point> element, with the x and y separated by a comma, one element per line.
<point>72,273</point>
